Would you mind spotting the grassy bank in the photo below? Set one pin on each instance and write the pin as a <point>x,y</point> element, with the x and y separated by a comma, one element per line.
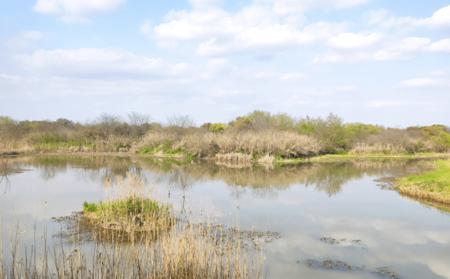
<point>361,156</point>
<point>433,186</point>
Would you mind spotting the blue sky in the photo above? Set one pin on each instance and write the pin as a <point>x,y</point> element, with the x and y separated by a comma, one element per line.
<point>384,62</point>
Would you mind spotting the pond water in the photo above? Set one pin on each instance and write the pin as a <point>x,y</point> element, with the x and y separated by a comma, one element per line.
<point>336,220</point>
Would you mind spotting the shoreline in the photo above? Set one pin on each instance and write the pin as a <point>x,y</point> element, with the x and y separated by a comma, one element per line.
<point>277,161</point>
<point>430,186</point>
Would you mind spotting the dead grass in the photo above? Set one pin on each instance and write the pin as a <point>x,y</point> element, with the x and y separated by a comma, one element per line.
<point>188,252</point>
<point>377,148</point>
<point>202,144</point>
<point>182,251</point>
<point>237,160</point>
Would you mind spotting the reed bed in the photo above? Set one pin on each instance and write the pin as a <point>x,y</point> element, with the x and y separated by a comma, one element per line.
<point>377,148</point>
<point>188,251</point>
<point>208,144</point>
<point>131,237</point>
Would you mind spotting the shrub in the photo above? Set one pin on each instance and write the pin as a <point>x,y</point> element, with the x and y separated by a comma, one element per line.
<point>215,127</point>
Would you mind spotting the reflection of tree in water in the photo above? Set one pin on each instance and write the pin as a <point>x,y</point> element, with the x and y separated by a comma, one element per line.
<point>329,179</point>
<point>114,174</point>
<point>179,179</point>
<point>324,177</point>
<point>7,167</point>
<point>108,170</point>
<point>4,172</point>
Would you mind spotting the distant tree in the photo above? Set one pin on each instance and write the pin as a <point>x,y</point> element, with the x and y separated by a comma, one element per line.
<point>180,121</point>
<point>138,119</point>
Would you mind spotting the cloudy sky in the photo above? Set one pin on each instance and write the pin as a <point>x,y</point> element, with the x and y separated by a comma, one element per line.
<point>378,61</point>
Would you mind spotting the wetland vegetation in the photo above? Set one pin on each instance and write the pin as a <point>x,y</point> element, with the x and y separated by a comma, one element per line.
<point>256,137</point>
<point>171,235</point>
<point>252,222</point>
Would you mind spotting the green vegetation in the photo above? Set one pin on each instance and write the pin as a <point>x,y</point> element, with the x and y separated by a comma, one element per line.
<point>165,150</point>
<point>215,127</point>
<point>128,207</point>
<point>365,156</point>
<point>260,135</point>
<point>433,186</point>
<point>131,214</point>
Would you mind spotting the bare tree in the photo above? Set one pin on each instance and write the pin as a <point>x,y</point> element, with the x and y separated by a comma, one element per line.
<point>138,119</point>
<point>180,121</point>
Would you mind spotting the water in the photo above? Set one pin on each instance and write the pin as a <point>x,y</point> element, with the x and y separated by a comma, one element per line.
<point>335,219</point>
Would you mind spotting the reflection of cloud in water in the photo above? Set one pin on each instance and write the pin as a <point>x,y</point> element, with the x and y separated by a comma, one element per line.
<point>392,243</point>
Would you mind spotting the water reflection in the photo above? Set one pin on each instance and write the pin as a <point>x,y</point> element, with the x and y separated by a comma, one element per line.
<point>7,168</point>
<point>323,177</point>
<point>304,203</point>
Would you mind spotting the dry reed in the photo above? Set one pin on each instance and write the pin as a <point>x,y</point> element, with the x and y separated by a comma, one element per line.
<point>186,252</point>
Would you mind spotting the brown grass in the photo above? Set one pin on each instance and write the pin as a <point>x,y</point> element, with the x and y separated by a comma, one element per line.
<point>124,247</point>
<point>377,148</point>
<point>189,252</point>
<point>234,160</point>
<point>417,192</point>
<point>207,144</point>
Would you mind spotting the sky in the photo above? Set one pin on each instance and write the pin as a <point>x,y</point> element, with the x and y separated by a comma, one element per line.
<point>376,61</point>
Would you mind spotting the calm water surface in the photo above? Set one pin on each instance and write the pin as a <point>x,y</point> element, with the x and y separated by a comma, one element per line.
<point>328,211</point>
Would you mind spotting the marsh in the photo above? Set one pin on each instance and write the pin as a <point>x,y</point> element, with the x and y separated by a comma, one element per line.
<point>373,228</point>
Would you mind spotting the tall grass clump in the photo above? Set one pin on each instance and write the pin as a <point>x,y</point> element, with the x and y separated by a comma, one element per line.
<point>132,214</point>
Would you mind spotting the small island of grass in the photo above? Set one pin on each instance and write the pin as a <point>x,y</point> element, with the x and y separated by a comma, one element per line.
<point>433,186</point>
<point>131,214</point>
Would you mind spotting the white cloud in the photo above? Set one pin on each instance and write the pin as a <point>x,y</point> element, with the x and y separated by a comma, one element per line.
<point>423,82</point>
<point>97,63</point>
<point>439,19</point>
<point>193,25</point>
<point>293,76</point>
<point>300,6</point>
<point>255,27</point>
<point>384,103</point>
<point>205,4</point>
<point>403,49</point>
<point>338,57</point>
<point>75,11</point>
<point>384,18</point>
<point>24,39</point>
<point>354,40</point>
<point>267,37</point>
<point>440,46</point>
